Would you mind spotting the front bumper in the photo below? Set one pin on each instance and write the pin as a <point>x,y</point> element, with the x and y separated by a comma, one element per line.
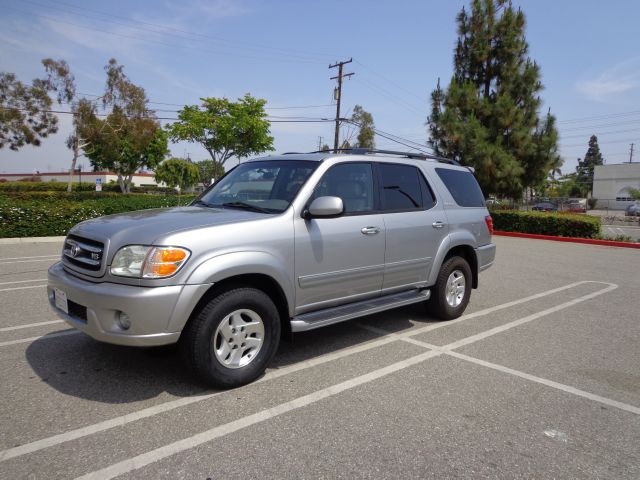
<point>157,314</point>
<point>485,255</point>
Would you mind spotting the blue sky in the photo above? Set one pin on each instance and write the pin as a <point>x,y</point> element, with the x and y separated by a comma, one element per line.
<point>280,50</point>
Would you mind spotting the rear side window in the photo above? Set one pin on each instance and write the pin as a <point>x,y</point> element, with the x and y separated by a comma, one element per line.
<point>463,187</point>
<point>402,189</point>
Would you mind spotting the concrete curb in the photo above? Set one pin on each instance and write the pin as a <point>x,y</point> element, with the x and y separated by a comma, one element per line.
<point>588,241</point>
<point>18,240</point>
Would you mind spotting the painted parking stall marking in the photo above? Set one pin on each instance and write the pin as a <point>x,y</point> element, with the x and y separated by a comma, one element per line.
<point>160,453</point>
<point>168,406</point>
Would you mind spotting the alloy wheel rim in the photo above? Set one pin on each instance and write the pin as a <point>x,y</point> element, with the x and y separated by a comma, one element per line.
<point>455,289</point>
<point>238,338</point>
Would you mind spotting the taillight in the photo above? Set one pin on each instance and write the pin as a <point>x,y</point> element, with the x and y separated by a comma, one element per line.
<point>489,221</point>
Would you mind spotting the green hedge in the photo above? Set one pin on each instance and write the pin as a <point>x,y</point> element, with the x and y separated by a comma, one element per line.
<point>53,216</point>
<point>554,224</point>
<point>6,187</point>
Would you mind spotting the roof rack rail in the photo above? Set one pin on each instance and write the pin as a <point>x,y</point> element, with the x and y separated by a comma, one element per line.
<point>412,155</point>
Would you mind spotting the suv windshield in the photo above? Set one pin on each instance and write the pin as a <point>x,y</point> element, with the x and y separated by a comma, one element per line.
<point>263,186</point>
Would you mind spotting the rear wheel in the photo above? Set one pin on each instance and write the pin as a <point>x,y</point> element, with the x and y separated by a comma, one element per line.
<point>233,338</point>
<point>450,295</point>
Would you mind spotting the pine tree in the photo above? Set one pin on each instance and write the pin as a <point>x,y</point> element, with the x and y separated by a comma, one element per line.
<point>488,116</point>
<point>586,167</point>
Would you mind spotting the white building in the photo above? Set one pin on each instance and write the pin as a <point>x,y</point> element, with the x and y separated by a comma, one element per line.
<point>139,179</point>
<point>611,184</point>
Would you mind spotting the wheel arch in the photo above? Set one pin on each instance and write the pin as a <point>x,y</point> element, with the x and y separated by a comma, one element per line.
<point>259,281</point>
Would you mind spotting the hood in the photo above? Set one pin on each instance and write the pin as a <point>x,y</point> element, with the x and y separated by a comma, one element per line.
<point>144,226</point>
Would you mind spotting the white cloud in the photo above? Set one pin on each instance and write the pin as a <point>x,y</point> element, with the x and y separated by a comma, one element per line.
<point>619,79</point>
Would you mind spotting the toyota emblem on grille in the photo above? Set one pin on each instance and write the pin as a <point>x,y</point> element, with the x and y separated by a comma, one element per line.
<point>75,250</point>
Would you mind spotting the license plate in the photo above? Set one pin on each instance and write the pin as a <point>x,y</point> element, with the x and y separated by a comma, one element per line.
<point>61,300</point>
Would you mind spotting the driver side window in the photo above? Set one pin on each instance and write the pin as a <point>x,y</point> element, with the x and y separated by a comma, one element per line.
<point>353,183</point>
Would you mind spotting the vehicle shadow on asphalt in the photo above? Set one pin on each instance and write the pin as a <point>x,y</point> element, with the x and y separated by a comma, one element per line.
<point>79,366</point>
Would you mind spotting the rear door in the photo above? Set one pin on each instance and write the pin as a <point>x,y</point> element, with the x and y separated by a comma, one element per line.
<point>415,225</point>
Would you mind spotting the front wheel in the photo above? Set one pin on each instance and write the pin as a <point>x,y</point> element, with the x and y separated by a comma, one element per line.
<point>233,338</point>
<point>450,295</point>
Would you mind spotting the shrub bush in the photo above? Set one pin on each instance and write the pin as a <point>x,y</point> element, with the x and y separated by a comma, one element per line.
<point>53,216</point>
<point>6,187</point>
<point>554,224</point>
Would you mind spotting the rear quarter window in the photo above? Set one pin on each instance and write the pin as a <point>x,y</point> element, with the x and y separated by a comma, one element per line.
<point>463,187</point>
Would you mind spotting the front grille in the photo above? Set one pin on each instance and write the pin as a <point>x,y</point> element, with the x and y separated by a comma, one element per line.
<point>83,253</point>
<point>77,311</point>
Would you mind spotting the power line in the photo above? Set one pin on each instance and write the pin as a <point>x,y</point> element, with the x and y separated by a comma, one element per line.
<point>392,82</point>
<point>602,125</point>
<point>603,133</point>
<point>185,34</point>
<point>165,44</point>
<point>598,117</point>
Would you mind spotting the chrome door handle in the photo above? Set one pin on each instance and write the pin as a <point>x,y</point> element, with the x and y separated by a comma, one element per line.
<point>438,224</point>
<point>370,230</point>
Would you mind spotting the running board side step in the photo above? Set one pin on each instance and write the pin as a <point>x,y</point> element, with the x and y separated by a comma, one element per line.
<point>329,316</point>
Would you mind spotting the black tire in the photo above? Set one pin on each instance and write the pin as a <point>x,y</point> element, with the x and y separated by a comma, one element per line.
<point>198,343</point>
<point>437,304</point>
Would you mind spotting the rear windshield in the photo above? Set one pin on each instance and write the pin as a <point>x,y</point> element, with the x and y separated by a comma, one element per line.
<point>463,187</point>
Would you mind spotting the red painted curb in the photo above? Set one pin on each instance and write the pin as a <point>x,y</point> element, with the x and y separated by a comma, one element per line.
<point>589,241</point>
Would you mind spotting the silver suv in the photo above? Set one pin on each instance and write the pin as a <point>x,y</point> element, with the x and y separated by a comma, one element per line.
<point>280,244</point>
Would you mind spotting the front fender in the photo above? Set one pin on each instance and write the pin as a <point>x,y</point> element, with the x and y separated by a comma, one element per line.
<point>232,264</point>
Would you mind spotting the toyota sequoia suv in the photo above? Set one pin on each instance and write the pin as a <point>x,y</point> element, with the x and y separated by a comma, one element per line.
<point>280,244</point>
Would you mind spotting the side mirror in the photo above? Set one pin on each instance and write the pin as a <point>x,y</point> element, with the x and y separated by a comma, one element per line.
<point>324,207</point>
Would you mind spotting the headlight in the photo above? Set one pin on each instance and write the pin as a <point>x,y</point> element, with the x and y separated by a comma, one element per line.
<point>141,261</point>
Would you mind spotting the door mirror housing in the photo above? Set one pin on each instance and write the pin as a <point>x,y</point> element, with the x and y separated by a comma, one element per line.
<point>324,207</point>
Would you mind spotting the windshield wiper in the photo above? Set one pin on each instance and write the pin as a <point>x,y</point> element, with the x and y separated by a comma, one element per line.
<point>246,206</point>
<point>200,202</point>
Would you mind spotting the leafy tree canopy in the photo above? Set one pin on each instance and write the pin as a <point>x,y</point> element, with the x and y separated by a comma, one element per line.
<point>24,112</point>
<point>488,116</point>
<point>209,170</point>
<point>366,132</point>
<point>177,172</point>
<point>130,137</point>
<point>224,128</point>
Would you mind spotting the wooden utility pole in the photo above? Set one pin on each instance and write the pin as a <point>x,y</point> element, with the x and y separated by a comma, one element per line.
<point>631,154</point>
<point>338,97</point>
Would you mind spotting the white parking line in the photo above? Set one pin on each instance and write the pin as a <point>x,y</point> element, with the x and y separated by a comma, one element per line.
<point>30,325</point>
<point>549,383</point>
<point>20,288</point>
<point>24,281</point>
<point>35,256</point>
<point>57,257</point>
<point>41,337</point>
<point>139,461</point>
<point>144,459</point>
<point>167,406</point>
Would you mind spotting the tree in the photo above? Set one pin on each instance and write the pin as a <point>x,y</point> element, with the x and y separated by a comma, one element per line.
<point>366,132</point>
<point>176,172</point>
<point>25,115</point>
<point>586,167</point>
<point>62,82</point>
<point>130,137</point>
<point>634,192</point>
<point>488,116</point>
<point>225,128</point>
<point>209,170</point>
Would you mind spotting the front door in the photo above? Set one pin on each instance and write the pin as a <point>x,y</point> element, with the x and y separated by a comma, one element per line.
<point>339,260</point>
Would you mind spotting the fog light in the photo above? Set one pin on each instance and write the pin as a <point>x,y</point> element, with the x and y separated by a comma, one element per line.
<point>123,321</point>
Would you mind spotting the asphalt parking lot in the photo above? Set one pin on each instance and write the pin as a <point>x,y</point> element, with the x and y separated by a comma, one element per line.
<point>539,379</point>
